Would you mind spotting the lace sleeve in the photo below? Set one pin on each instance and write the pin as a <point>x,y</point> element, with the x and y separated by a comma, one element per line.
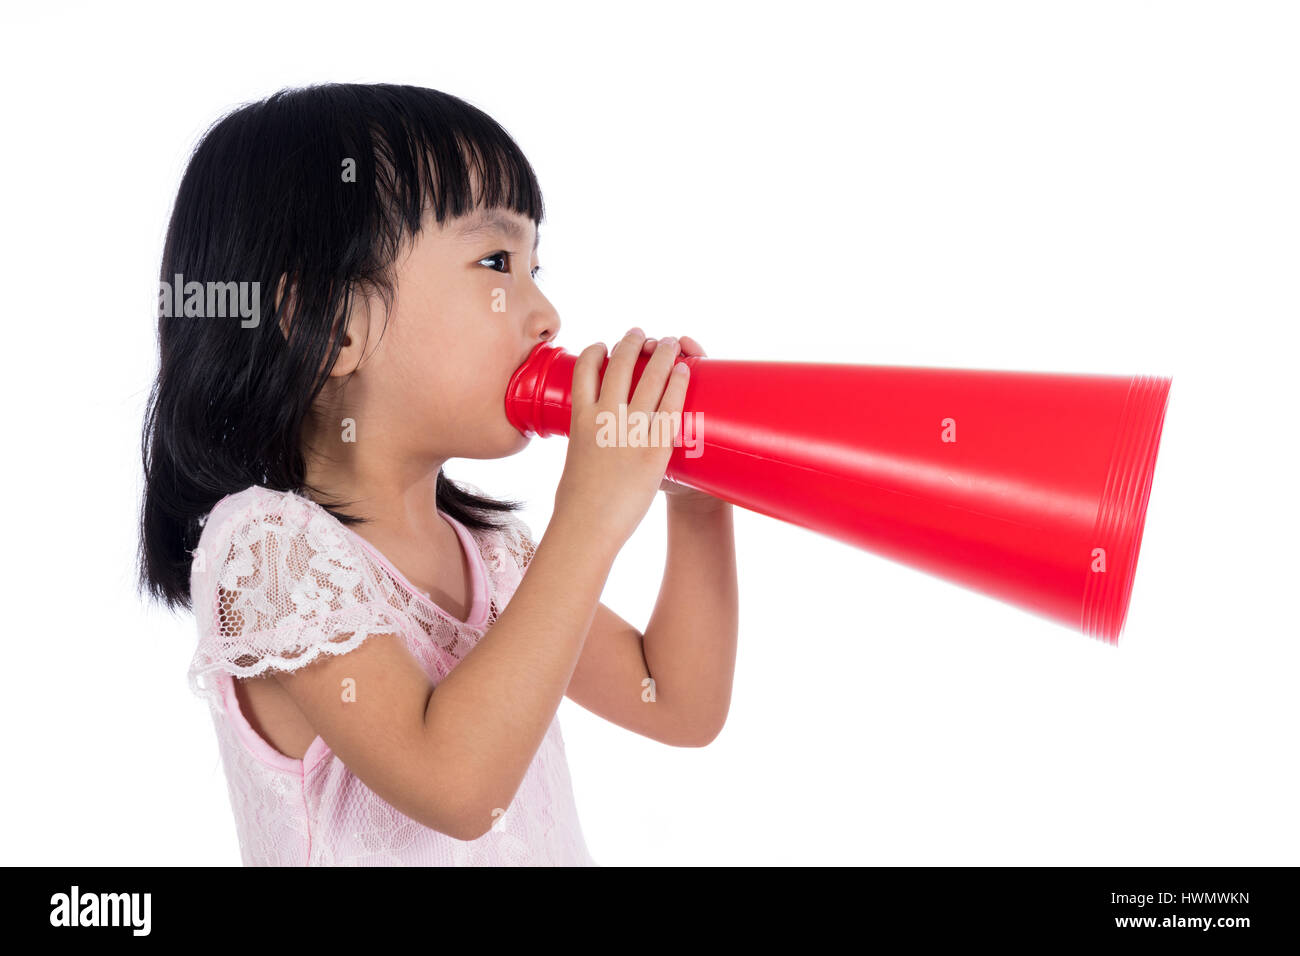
<point>518,541</point>
<point>276,582</point>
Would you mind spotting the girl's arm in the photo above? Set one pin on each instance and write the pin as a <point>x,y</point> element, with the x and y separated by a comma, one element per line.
<point>689,646</point>
<point>685,661</point>
<point>447,757</point>
<point>450,756</point>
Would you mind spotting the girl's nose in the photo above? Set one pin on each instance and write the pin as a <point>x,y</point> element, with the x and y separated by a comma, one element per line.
<point>543,320</point>
<point>549,328</point>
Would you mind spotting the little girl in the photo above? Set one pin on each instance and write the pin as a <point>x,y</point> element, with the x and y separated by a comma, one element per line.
<point>383,676</point>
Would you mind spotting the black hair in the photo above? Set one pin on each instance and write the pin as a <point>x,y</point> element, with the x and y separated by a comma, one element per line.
<point>265,198</point>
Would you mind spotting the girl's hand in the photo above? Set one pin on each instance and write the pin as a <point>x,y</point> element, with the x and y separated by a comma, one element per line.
<point>607,486</point>
<point>681,493</point>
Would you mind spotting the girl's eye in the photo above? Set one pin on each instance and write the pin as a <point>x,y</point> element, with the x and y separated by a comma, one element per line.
<point>504,257</point>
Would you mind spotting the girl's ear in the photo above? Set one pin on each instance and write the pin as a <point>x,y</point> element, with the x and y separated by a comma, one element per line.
<point>355,333</point>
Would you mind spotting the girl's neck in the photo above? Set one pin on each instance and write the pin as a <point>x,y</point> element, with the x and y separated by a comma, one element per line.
<point>394,493</point>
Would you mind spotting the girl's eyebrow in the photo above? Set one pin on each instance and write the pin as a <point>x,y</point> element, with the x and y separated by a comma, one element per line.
<point>488,222</point>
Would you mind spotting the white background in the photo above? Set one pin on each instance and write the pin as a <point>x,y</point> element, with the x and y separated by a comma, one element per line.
<point>1097,187</point>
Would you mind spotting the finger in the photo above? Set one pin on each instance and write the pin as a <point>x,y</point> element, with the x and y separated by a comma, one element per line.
<point>618,373</point>
<point>691,347</point>
<point>586,379</point>
<point>674,401</point>
<point>675,395</point>
<point>650,387</point>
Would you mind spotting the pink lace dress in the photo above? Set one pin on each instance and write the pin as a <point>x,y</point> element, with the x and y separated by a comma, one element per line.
<point>277,581</point>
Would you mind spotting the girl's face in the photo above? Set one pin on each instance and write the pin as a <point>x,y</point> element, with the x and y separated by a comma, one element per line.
<point>467,313</point>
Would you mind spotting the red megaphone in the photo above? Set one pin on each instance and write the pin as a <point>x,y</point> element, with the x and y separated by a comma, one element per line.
<point>1029,487</point>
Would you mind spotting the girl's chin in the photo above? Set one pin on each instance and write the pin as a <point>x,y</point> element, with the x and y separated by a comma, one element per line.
<point>519,443</point>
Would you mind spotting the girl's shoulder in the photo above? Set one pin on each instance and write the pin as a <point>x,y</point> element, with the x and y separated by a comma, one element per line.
<point>260,512</point>
<point>258,505</point>
<point>277,580</point>
<point>261,529</point>
<point>261,538</point>
<point>511,537</point>
<point>516,538</point>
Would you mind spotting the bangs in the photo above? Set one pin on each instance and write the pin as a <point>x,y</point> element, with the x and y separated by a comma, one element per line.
<point>439,153</point>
